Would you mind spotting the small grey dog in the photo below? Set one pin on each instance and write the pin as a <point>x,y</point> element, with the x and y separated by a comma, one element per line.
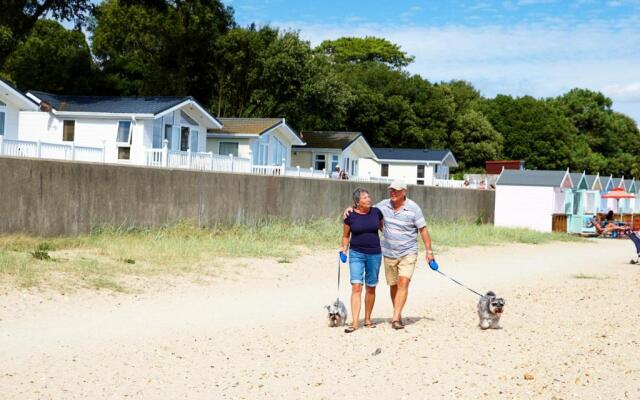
<point>489,310</point>
<point>337,314</point>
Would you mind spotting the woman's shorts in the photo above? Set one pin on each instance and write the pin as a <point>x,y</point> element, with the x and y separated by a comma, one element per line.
<point>364,268</point>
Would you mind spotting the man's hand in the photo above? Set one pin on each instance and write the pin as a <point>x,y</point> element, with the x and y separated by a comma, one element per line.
<point>347,211</point>
<point>429,256</point>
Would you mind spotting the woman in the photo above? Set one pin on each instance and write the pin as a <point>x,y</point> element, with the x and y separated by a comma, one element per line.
<point>360,236</point>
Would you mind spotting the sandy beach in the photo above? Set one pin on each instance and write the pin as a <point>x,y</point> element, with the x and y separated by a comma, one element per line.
<point>257,329</point>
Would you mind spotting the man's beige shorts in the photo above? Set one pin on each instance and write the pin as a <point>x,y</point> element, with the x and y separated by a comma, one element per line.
<point>403,266</point>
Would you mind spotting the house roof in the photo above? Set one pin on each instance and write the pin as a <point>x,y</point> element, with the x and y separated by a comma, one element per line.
<point>387,153</point>
<point>576,177</point>
<point>247,126</point>
<point>512,177</point>
<point>591,179</point>
<point>111,104</point>
<point>617,181</point>
<point>328,139</point>
<point>11,91</point>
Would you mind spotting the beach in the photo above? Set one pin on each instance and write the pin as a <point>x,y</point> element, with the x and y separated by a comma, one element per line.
<point>257,329</point>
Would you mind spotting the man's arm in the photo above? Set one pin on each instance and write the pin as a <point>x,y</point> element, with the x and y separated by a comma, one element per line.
<point>426,239</point>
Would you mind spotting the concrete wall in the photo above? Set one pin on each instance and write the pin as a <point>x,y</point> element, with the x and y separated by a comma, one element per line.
<point>58,197</point>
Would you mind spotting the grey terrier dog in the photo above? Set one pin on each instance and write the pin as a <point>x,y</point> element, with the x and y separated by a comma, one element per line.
<point>489,310</point>
<point>337,314</point>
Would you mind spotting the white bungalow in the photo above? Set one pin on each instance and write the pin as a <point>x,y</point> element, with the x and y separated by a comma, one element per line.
<point>414,166</point>
<point>534,199</point>
<point>266,141</point>
<point>12,102</point>
<point>324,150</point>
<point>125,128</point>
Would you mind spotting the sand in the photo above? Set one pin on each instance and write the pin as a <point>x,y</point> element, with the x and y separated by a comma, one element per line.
<point>258,331</point>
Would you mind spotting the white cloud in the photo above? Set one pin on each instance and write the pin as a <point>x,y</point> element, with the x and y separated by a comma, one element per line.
<point>542,60</point>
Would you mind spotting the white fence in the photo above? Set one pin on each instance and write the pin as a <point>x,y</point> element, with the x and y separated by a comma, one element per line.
<point>54,151</point>
<point>165,158</point>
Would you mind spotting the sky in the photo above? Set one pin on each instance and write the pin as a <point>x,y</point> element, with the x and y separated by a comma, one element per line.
<point>541,48</point>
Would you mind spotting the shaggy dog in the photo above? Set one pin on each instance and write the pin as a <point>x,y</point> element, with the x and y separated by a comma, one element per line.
<point>489,310</point>
<point>336,314</point>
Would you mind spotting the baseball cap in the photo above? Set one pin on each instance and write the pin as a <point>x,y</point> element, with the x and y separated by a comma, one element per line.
<point>398,184</point>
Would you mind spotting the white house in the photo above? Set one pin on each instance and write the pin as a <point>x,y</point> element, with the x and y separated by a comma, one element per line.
<point>266,141</point>
<point>530,199</point>
<point>324,150</point>
<point>414,166</point>
<point>12,102</point>
<point>125,127</point>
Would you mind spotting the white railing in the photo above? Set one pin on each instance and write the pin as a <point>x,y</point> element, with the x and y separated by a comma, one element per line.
<point>54,151</point>
<point>267,169</point>
<point>450,183</point>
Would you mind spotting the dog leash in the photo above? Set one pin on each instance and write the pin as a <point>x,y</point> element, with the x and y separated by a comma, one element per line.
<point>447,276</point>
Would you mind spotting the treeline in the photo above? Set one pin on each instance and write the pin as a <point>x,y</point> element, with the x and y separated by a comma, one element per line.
<point>194,47</point>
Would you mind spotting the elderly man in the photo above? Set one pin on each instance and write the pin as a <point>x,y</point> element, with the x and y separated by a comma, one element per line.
<point>403,222</point>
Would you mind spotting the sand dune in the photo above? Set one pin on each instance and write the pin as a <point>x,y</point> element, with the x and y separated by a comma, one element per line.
<point>258,331</point>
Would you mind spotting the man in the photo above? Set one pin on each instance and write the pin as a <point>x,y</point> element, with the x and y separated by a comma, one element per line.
<point>403,222</point>
<point>336,173</point>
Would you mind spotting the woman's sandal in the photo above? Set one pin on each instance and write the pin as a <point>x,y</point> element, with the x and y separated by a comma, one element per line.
<point>350,329</point>
<point>397,325</point>
<point>370,325</point>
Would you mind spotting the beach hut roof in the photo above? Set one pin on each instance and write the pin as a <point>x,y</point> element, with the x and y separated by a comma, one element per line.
<point>579,180</point>
<point>594,182</point>
<point>542,178</point>
<point>630,185</point>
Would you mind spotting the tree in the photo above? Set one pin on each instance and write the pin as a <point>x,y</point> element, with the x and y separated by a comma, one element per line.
<point>533,131</point>
<point>161,50</point>
<point>18,18</point>
<point>353,50</point>
<point>52,59</point>
<point>474,140</point>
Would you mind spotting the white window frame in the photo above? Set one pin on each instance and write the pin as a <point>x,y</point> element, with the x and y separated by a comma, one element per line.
<point>420,179</point>
<point>335,161</point>
<point>74,129</point>
<point>315,161</point>
<point>226,142</point>
<point>382,169</point>
<point>128,142</point>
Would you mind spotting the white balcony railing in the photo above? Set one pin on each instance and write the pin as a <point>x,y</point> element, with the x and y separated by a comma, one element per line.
<point>53,151</point>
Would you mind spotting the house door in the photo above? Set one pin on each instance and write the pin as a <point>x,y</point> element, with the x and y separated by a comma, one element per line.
<point>184,138</point>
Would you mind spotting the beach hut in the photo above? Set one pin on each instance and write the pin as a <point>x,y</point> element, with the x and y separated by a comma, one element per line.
<point>538,200</point>
<point>586,196</point>
<point>628,206</point>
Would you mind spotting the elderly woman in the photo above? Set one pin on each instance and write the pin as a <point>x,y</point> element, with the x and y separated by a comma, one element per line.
<point>360,236</point>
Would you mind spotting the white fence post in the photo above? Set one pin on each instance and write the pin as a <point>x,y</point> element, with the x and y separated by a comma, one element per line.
<point>165,153</point>
<point>231,157</point>
<point>104,151</point>
<point>189,158</point>
<point>1,145</point>
<point>39,149</point>
<point>73,151</point>
<point>324,172</point>
<point>210,160</point>
<point>284,166</point>
<point>298,168</point>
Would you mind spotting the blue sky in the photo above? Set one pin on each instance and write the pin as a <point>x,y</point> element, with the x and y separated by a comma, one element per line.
<point>537,47</point>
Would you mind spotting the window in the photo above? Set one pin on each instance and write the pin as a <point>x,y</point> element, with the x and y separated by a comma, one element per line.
<point>124,153</point>
<point>3,111</point>
<point>226,148</point>
<point>193,141</point>
<point>124,133</point>
<point>68,130</point>
<point>278,152</point>
<point>334,162</point>
<point>184,138</point>
<point>354,167</point>
<point>420,180</point>
<point>168,133</point>
<point>157,133</point>
<point>384,170</point>
<point>320,162</point>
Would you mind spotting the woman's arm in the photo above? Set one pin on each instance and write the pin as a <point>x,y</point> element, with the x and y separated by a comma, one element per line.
<point>346,234</point>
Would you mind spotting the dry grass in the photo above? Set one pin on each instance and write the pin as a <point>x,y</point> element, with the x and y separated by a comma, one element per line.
<point>104,257</point>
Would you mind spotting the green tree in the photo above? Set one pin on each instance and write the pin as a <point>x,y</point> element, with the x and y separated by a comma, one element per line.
<point>17,18</point>
<point>474,140</point>
<point>52,59</point>
<point>353,50</point>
